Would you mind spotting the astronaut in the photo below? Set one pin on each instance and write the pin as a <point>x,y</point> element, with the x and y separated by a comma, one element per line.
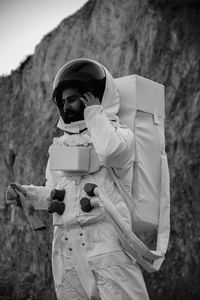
<point>88,259</point>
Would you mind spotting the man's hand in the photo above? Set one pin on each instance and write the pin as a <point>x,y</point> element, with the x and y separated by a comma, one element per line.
<point>89,99</point>
<point>12,196</point>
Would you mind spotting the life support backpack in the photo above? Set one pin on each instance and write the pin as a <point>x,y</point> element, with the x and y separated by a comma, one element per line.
<point>142,110</point>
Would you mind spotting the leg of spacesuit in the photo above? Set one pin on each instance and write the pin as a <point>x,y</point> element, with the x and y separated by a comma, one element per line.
<point>118,277</point>
<point>70,287</point>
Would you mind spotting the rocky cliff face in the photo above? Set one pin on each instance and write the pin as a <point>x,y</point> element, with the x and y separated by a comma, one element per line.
<point>159,40</point>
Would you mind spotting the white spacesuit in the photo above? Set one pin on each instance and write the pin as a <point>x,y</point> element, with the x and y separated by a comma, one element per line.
<point>87,256</point>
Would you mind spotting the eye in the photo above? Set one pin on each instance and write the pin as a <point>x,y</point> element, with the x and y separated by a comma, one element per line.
<point>72,99</point>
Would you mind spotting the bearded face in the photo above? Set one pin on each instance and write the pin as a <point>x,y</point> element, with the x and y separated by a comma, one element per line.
<point>70,106</point>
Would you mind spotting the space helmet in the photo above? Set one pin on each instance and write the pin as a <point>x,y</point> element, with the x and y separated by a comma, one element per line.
<point>86,74</point>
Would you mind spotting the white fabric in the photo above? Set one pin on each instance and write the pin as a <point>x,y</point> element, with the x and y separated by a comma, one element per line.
<point>142,109</point>
<point>74,127</point>
<point>131,243</point>
<point>116,275</point>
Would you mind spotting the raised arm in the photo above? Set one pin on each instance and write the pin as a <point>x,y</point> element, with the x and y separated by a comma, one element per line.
<point>113,142</point>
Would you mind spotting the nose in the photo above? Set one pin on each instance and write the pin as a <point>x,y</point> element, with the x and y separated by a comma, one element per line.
<point>66,105</point>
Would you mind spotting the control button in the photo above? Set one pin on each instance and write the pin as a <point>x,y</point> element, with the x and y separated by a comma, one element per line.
<point>58,194</point>
<point>89,189</point>
<point>85,205</point>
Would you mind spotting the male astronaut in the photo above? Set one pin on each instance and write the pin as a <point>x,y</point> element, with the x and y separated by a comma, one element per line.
<point>87,256</point>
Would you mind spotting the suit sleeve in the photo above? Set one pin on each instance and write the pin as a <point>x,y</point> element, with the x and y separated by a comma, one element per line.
<point>113,143</point>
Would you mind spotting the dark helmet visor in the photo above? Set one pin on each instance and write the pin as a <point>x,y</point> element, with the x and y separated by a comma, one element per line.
<point>84,71</point>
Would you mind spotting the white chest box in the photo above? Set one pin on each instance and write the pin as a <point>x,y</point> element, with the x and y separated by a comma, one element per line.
<point>71,159</point>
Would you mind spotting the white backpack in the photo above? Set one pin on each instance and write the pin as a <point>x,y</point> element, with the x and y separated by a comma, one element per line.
<point>142,110</point>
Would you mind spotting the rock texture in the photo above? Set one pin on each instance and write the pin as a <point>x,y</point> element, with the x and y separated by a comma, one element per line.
<point>159,40</point>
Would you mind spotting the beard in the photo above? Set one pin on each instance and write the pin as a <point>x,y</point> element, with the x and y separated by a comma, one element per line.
<point>70,115</point>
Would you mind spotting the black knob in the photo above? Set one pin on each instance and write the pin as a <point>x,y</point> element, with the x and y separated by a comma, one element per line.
<point>58,194</point>
<point>89,189</point>
<point>85,205</point>
<point>56,206</point>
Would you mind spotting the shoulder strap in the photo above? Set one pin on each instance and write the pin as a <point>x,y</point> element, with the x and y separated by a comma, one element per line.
<point>164,222</point>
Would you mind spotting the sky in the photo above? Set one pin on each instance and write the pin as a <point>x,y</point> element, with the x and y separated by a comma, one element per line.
<point>23,23</point>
